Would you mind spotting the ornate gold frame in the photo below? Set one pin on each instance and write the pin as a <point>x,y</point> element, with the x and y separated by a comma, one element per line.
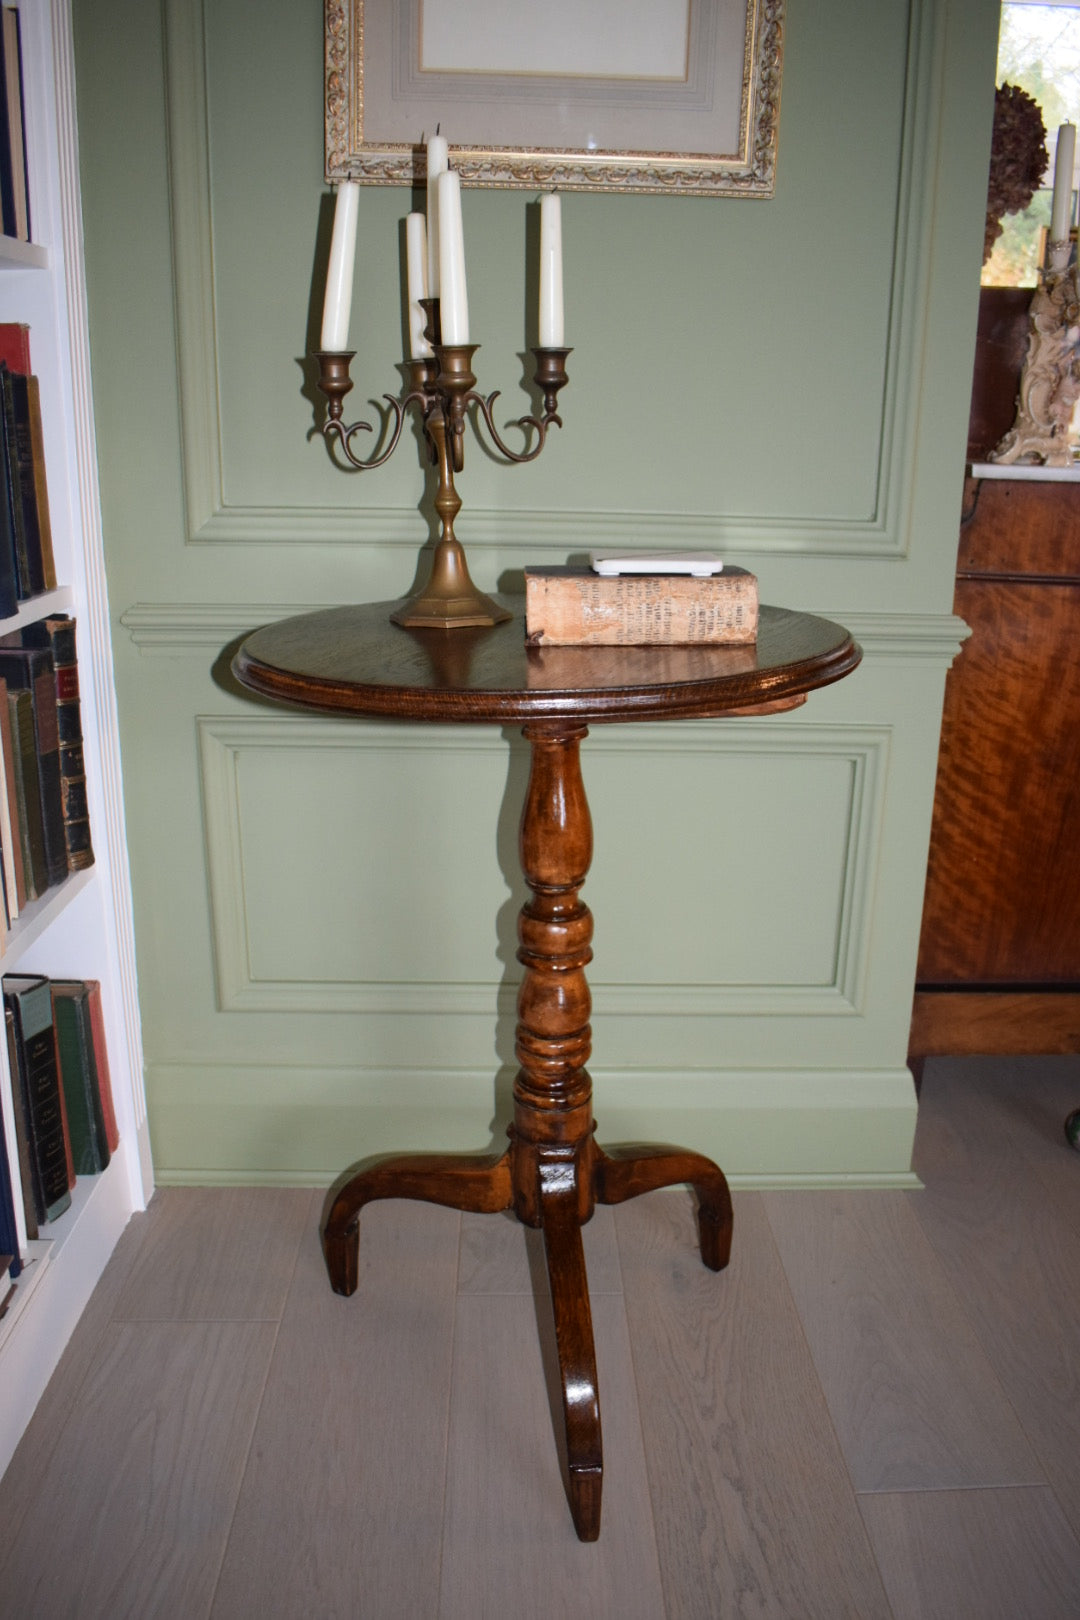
<point>749,171</point>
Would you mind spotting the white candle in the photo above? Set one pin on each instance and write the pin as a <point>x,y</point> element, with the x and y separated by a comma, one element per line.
<point>438,161</point>
<point>339,275</point>
<point>1061,211</point>
<point>417,278</point>
<point>551,277</point>
<point>454,300</point>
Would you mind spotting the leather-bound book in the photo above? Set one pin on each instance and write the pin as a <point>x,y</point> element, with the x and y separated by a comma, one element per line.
<point>78,1076</point>
<point>80,849</point>
<point>577,607</point>
<point>27,667</point>
<point>30,1000</point>
<point>27,793</point>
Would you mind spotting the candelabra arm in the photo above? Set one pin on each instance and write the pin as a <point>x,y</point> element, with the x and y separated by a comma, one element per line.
<point>335,383</point>
<point>551,375</point>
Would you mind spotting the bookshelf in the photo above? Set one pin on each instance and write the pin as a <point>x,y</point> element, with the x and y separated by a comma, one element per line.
<point>82,927</point>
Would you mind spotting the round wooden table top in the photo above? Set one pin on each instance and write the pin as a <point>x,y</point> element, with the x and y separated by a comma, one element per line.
<point>353,660</point>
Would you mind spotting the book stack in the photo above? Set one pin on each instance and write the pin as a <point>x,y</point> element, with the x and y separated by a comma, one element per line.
<point>65,1122</point>
<point>44,814</point>
<point>14,183</point>
<point>638,606</point>
<point>27,566</point>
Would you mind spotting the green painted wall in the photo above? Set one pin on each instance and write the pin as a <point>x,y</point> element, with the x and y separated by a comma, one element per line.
<point>325,911</point>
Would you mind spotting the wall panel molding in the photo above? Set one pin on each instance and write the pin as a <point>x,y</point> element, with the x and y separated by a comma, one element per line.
<point>863,750</point>
<point>211,519</point>
<point>190,627</point>
<point>768,1128</point>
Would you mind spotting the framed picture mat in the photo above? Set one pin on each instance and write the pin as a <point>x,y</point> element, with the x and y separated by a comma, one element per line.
<point>704,122</point>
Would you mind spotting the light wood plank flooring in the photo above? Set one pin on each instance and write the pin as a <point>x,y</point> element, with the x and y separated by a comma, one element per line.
<point>875,1412</point>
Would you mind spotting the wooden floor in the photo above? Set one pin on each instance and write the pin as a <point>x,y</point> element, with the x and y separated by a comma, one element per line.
<point>875,1412</point>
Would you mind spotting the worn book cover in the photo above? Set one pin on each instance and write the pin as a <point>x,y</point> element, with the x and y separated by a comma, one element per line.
<point>30,668</point>
<point>566,606</point>
<point>29,998</point>
<point>78,1076</point>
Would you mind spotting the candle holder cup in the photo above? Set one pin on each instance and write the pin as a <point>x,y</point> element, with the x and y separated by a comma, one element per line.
<point>442,387</point>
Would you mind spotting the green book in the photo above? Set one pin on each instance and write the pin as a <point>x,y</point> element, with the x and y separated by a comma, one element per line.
<point>78,1076</point>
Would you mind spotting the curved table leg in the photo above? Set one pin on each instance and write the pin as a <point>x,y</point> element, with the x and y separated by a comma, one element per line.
<point>459,1181</point>
<point>577,1354</point>
<point>622,1173</point>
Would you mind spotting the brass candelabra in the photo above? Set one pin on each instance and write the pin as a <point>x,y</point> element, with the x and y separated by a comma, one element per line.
<point>442,387</point>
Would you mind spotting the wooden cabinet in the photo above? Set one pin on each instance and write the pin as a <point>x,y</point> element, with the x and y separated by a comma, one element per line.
<point>82,927</point>
<point>999,958</point>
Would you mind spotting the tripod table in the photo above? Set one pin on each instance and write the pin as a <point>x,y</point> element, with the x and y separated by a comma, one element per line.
<point>354,661</point>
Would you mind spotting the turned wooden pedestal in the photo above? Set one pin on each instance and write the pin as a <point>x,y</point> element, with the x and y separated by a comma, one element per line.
<point>353,660</point>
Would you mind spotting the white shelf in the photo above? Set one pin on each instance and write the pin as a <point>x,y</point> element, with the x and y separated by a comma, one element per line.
<point>52,1294</point>
<point>38,915</point>
<point>25,255</point>
<point>81,928</point>
<point>39,607</point>
<point>48,1247</point>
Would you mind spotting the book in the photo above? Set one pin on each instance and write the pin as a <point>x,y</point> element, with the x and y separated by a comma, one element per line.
<point>9,1232</point>
<point>8,219</point>
<point>60,629</point>
<point>41,482</point>
<point>15,346</point>
<point>101,1059</point>
<point>14,882</point>
<point>16,123</point>
<point>22,1129</point>
<point>19,448</point>
<point>10,579</point>
<point>31,839</point>
<point>78,1076</point>
<point>570,607</point>
<point>28,666</point>
<point>15,354</point>
<point>29,998</point>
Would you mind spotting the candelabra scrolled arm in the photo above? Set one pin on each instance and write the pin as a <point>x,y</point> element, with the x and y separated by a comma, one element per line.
<point>551,375</point>
<point>334,429</point>
<point>525,423</point>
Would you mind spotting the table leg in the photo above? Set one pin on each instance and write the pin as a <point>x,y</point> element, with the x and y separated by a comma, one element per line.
<point>459,1181</point>
<point>622,1173</point>
<point>553,1174</point>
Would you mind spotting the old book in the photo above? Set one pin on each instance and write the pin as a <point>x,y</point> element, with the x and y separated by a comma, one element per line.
<point>60,630</point>
<point>16,121</point>
<point>10,851</point>
<point>8,220</point>
<point>15,354</point>
<point>78,1076</point>
<point>101,1061</point>
<point>28,794</point>
<point>41,483</point>
<point>21,474</point>
<point>22,1129</point>
<point>10,1262</point>
<point>30,1001</point>
<point>15,346</point>
<point>29,667</point>
<point>567,607</point>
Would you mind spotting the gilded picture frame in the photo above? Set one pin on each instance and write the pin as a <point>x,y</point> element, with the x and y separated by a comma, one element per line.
<point>702,119</point>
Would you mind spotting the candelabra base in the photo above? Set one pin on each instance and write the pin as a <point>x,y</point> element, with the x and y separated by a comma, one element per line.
<point>449,600</point>
<point>449,613</point>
